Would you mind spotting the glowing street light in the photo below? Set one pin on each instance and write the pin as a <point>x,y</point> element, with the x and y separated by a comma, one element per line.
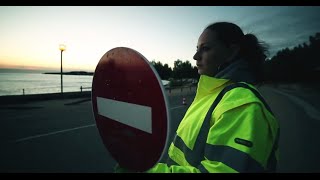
<point>62,47</point>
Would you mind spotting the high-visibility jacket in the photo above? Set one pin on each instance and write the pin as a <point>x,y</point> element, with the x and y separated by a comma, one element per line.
<point>227,128</point>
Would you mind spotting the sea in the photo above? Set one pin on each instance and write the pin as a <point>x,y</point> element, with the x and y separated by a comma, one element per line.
<point>35,82</point>
<point>24,82</point>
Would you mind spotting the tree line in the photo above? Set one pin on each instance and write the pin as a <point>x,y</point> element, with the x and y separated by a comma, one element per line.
<point>179,75</point>
<point>299,64</point>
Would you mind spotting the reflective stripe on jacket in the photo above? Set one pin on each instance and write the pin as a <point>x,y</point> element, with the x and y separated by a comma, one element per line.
<point>235,132</point>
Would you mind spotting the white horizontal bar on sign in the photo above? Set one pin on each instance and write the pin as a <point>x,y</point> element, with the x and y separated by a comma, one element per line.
<point>133,115</point>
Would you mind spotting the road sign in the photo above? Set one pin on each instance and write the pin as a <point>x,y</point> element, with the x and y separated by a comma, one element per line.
<point>130,108</point>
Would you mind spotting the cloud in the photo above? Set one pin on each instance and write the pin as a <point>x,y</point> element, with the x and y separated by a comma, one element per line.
<point>285,26</point>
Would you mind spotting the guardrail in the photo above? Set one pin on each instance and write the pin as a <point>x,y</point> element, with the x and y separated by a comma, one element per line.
<point>81,88</point>
<point>187,88</point>
<point>169,89</point>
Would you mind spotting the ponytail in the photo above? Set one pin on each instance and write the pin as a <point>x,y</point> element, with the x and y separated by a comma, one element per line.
<point>252,48</point>
<point>254,52</point>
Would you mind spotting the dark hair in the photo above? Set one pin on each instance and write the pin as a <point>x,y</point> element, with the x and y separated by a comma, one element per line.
<point>251,49</point>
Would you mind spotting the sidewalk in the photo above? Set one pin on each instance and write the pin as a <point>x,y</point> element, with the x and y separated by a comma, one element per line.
<point>23,99</point>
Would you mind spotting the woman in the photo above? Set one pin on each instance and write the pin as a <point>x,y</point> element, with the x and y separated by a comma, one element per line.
<point>228,127</point>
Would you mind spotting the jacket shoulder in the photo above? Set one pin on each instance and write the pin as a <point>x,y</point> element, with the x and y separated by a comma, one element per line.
<point>237,96</point>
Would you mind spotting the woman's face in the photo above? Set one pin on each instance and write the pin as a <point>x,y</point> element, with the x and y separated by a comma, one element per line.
<point>211,53</point>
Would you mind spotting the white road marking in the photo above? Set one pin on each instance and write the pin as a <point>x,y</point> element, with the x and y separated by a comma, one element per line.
<point>19,117</point>
<point>177,107</point>
<point>66,130</point>
<point>308,108</point>
<point>56,132</point>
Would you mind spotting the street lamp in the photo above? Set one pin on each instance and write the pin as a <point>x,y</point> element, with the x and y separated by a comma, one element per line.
<point>62,47</point>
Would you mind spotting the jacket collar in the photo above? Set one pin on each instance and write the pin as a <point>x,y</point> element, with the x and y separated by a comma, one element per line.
<point>208,84</point>
<point>237,71</point>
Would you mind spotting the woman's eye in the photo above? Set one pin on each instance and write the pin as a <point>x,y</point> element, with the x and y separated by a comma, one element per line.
<point>204,48</point>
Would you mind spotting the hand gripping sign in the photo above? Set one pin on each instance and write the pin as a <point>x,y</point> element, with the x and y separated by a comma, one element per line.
<point>130,108</point>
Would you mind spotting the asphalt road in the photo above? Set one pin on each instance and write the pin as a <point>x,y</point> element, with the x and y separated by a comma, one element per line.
<point>298,112</point>
<point>60,136</point>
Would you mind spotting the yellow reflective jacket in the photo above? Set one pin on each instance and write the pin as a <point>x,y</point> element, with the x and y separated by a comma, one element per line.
<point>231,132</point>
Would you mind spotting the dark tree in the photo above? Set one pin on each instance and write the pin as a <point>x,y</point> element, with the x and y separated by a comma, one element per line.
<point>164,71</point>
<point>299,64</point>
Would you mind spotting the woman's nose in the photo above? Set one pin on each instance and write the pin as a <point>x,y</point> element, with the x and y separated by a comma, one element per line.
<point>196,56</point>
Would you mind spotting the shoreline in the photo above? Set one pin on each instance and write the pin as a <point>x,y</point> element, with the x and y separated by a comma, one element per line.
<point>23,99</point>
<point>80,73</point>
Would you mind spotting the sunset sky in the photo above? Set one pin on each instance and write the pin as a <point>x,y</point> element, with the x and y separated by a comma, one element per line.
<point>30,36</point>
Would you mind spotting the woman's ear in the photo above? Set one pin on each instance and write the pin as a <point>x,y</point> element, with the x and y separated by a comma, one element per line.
<point>235,49</point>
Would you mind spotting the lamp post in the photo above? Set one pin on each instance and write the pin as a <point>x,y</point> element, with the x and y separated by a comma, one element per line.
<point>62,47</point>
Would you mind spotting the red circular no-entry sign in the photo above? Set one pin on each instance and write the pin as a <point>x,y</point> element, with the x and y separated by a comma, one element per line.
<point>130,108</point>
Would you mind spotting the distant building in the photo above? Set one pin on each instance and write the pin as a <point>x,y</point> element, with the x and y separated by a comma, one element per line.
<point>165,83</point>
